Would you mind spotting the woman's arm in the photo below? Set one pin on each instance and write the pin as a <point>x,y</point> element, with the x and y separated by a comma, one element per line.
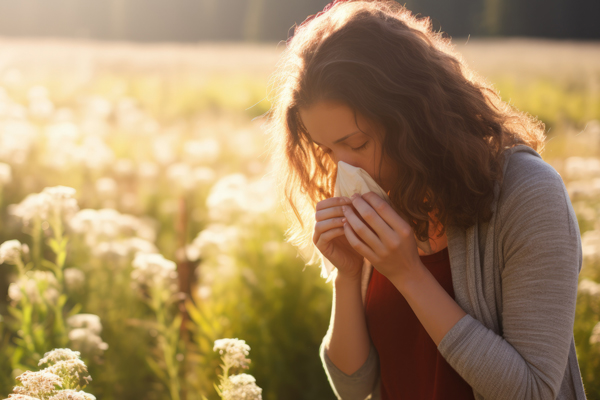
<point>436,309</point>
<point>538,237</point>
<point>350,359</point>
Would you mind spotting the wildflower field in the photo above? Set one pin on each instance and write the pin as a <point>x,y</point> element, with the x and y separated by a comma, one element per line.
<point>141,245</point>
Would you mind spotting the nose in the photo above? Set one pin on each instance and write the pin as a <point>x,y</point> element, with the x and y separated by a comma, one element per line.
<point>347,160</point>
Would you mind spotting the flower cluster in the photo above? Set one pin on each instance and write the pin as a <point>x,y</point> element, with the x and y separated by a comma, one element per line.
<point>85,334</point>
<point>152,269</point>
<point>106,231</point>
<point>233,197</point>
<point>56,201</point>
<point>37,286</point>
<point>216,238</point>
<point>61,380</point>
<point>241,386</point>
<point>11,250</point>
<point>234,352</point>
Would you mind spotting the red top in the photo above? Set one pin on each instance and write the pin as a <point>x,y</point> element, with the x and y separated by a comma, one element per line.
<point>411,365</point>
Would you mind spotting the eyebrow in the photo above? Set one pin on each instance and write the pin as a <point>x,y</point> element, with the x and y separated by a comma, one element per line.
<point>341,139</point>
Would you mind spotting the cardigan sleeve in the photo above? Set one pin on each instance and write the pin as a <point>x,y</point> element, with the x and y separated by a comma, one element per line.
<point>358,386</point>
<point>540,245</point>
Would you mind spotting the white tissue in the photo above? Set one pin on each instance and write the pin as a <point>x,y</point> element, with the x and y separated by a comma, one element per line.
<point>352,180</point>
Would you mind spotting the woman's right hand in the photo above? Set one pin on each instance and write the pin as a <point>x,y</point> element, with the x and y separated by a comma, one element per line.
<point>330,239</point>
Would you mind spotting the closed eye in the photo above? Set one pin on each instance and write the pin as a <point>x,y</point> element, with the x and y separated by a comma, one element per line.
<point>354,149</point>
<point>361,147</point>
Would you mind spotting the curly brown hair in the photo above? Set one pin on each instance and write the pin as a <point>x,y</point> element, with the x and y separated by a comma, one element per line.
<point>445,127</point>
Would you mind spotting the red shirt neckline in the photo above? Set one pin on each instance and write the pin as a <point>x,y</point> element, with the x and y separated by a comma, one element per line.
<point>440,255</point>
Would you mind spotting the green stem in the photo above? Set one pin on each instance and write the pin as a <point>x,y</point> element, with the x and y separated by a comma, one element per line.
<point>167,350</point>
<point>37,241</point>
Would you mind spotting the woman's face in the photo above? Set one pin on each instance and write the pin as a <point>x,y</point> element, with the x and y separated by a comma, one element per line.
<point>331,126</point>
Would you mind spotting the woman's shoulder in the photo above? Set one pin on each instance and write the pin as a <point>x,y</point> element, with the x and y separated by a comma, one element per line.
<point>524,171</point>
<point>531,184</point>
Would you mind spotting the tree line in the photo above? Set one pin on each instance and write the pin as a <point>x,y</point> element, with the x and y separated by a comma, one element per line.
<point>271,20</point>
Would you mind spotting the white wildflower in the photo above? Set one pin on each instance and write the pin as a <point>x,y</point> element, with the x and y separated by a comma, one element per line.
<point>204,151</point>
<point>214,239</point>
<point>128,113</point>
<point>108,225</point>
<point>153,269</point>
<point>73,372</point>
<point>106,187</point>
<point>94,153</point>
<point>62,200</point>
<point>35,285</point>
<point>20,397</point>
<point>233,195</point>
<point>16,140</point>
<point>124,167</point>
<point>87,342</point>
<point>90,322</point>
<point>234,352</point>
<point>96,107</point>
<point>590,246</point>
<point>71,394</point>
<point>74,278</point>
<point>595,337</point>
<point>33,206</point>
<point>61,131</point>
<point>247,142</point>
<point>164,151</point>
<point>5,174</point>
<point>51,295</point>
<point>589,287</point>
<point>56,355</point>
<point>14,292</point>
<point>181,175</point>
<point>148,170</point>
<point>242,386</point>
<point>204,292</point>
<point>137,244</point>
<point>581,167</point>
<point>39,103</point>
<point>38,384</point>
<point>52,201</point>
<point>10,252</point>
<point>204,175</point>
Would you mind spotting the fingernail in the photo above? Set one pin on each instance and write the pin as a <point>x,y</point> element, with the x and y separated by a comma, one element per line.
<point>343,208</point>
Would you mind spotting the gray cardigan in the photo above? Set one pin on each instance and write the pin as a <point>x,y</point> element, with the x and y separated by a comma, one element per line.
<point>516,277</point>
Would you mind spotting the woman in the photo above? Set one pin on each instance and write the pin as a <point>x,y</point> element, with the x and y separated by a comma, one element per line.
<point>489,313</point>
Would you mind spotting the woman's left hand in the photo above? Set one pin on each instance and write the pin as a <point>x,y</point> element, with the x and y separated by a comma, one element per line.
<point>386,240</point>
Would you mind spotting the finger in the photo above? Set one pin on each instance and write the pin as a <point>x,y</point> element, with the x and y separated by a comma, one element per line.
<point>330,212</point>
<point>331,202</point>
<point>331,234</point>
<point>364,231</point>
<point>385,211</point>
<point>324,226</point>
<point>360,247</point>
<point>385,233</point>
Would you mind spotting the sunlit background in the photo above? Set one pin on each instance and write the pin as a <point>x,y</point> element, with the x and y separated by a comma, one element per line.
<point>137,220</point>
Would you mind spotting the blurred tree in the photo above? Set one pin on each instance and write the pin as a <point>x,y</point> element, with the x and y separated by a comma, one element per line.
<point>253,20</point>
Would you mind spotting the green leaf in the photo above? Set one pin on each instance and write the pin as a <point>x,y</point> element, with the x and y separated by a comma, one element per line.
<point>76,308</point>
<point>62,299</point>
<point>49,264</point>
<point>157,370</point>
<point>217,389</point>
<point>54,245</point>
<point>15,312</point>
